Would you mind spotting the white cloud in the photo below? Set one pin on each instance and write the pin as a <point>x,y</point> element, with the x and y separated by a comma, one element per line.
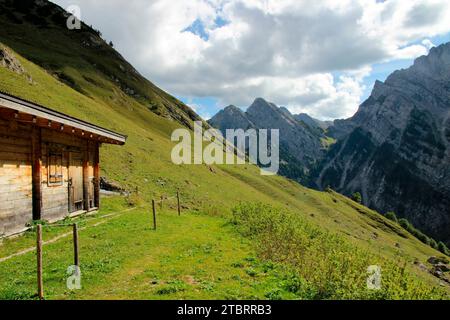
<point>283,50</point>
<point>199,109</point>
<point>428,44</point>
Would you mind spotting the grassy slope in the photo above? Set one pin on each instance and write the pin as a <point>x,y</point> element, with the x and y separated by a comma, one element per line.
<point>139,263</point>
<point>145,160</point>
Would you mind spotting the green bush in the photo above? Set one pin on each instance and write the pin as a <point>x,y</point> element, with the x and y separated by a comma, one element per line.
<point>443,248</point>
<point>406,225</point>
<point>420,235</point>
<point>172,287</point>
<point>325,265</point>
<point>392,216</point>
<point>434,244</point>
<point>357,197</point>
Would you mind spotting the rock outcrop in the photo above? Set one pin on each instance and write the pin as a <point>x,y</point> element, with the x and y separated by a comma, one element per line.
<point>7,60</point>
<point>395,151</point>
<point>313,123</point>
<point>300,145</point>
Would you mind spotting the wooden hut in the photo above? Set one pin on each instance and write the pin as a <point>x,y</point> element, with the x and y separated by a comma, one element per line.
<point>49,164</point>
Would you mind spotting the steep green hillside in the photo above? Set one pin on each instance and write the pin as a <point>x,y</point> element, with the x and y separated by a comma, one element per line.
<point>81,58</point>
<point>54,67</point>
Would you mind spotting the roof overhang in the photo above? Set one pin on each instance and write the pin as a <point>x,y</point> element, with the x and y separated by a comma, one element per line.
<point>24,111</point>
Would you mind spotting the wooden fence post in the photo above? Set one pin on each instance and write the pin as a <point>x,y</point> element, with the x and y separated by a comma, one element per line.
<point>75,246</point>
<point>40,281</point>
<point>178,201</point>
<point>154,214</point>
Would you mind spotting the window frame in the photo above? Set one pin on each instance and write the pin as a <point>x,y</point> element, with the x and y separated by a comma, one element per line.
<point>59,178</point>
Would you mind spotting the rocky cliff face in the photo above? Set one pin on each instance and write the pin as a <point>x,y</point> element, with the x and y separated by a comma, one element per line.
<point>396,149</point>
<point>300,145</point>
<point>313,123</point>
<point>231,118</point>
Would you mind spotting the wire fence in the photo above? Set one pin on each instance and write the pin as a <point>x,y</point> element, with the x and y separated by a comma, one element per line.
<point>38,228</point>
<point>161,204</point>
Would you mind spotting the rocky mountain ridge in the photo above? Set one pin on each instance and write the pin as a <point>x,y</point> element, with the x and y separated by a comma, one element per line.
<point>300,144</point>
<point>395,150</point>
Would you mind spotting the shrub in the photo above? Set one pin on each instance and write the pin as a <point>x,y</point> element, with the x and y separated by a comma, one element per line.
<point>274,294</point>
<point>443,248</point>
<point>251,272</point>
<point>97,32</point>
<point>392,216</point>
<point>406,225</point>
<point>34,223</point>
<point>357,197</point>
<point>324,265</point>
<point>171,287</point>
<point>418,234</point>
<point>434,244</point>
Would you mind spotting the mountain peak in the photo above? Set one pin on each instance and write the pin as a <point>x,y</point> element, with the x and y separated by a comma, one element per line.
<point>230,118</point>
<point>261,106</point>
<point>440,54</point>
<point>260,100</point>
<point>435,64</point>
<point>232,109</point>
<point>405,120</point>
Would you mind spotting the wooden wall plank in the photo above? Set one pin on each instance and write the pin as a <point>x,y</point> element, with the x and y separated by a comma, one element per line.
<point>86,177</point>
<point>16,158</point>
<point>62,138</point>
<point>97,176</point>
<point>15,184</point>
<point>24,189</point>
<point>21,131</point>
<point>13,148</point>
<point>36,156</point>
<point>5,139</point>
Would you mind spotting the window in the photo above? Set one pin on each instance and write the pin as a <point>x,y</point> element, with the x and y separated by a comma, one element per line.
<point>55,173</point>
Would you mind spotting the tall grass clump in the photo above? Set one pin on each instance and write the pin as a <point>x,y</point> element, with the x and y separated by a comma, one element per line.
<point>408,226</point>
<point>327,262</point>
<point>392,216</point>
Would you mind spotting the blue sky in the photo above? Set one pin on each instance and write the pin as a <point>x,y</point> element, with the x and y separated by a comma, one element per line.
<point>382,71</point>
<point>207,107</point>
<point>309,56</point>
<point>210,105</point>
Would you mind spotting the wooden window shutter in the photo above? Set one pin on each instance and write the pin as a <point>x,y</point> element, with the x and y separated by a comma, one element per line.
<point>55,169</point>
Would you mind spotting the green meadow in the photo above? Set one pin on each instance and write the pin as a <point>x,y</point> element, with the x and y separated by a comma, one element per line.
<point>241,235</point>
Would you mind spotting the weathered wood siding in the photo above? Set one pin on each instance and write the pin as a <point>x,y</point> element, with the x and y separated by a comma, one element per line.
<point>15,177</point>
<point>76,178</point>
<point>49,164</point>
<point>16,182</point>
<point>91,177</point>
<point>55,203</point>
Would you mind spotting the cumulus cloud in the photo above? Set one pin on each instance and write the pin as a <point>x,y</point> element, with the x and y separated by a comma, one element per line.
<point>307,55</point>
